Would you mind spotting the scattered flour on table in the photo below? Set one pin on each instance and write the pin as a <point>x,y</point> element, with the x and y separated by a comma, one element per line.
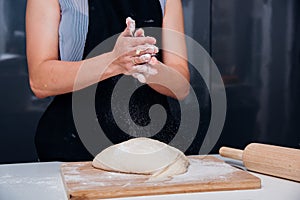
<point>52,183</point>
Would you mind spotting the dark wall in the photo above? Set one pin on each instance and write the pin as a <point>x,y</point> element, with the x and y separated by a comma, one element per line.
<point>255,45</point>
<point>19,109</point>
<point>294,83</point>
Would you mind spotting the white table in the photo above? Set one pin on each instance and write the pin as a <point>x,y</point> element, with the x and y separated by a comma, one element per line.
<point>42,181</point>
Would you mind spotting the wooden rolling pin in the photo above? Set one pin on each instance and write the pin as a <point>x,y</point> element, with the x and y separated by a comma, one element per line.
<point>268,159</point>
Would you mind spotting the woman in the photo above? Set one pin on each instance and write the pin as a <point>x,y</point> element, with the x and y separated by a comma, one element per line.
<point>61,34</point>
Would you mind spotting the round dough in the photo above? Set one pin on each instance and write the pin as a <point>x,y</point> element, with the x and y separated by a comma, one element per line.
<point>142,156</point>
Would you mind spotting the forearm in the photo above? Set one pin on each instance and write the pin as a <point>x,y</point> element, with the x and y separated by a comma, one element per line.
<point>54,77</point>
<point>171,81</point>
<point>173,75</point>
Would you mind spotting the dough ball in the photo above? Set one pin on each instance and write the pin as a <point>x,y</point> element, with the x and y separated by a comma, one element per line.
<point>142,156</point>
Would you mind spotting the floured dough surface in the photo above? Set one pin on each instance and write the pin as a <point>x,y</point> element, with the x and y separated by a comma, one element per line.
<point>142,156</point>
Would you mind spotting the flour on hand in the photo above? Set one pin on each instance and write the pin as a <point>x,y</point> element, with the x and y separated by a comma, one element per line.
<point>141,74</point>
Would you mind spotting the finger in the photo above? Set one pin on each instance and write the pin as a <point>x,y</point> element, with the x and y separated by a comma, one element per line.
<point>127,32</point>
<point>143,49</point>
<point>130,27</point>
<point>152,71</point>
<point>136,60</point>
<point>139,33</point>
<point>141,68</point>
<point>147,48</point>
<point>136,41</point>
<point>135,75</point>
<point>143,59</point>
<point>146,69</point>
<point>153,61</point>
<point>140,77</point>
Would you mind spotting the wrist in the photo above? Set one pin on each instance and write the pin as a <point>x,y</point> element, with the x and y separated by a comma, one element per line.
<point>113,68</point>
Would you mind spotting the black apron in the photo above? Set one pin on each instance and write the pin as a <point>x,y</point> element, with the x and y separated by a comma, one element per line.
<point>56,137</point>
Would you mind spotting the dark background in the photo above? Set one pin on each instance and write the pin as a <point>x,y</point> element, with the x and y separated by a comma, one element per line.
<point>255,44</point>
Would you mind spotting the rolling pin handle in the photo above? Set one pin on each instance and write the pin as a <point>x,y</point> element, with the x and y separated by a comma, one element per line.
<point>231,153</point>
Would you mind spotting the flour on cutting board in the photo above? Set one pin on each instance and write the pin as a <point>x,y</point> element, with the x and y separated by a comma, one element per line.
<point>199,170</point>
<point>74,174</point>
<point>204,170</point>
<point>205,173</point>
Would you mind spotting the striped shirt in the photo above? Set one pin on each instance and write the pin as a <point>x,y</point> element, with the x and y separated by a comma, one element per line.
<point>73,28</point>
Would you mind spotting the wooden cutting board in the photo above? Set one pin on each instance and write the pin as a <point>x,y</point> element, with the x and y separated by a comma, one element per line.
<point>208,173</point>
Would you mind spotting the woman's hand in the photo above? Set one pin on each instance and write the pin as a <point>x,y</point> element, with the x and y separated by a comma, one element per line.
<point>130,51</point>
